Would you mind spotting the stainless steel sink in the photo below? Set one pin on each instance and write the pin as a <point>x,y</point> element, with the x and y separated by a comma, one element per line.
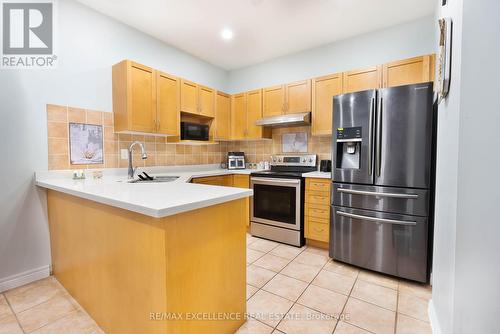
<point>156,179</point>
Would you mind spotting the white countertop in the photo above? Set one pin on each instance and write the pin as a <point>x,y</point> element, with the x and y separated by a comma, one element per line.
<point>153,199</point>
<point>318,174</point>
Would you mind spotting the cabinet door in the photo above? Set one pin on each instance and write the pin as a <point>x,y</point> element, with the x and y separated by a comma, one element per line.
<point>222,116</point>
<point>359,80</point>
<point>142,98</point>
<point>409,71</point>
<point>273,101</point>
<point>238,116</point>
<point>324,89</point>
<point>168,104</point>
<point>206,97</point>
<point>243,181</point>
<point>254,112</point>
<point>298,96</point>
<point>189,97</point>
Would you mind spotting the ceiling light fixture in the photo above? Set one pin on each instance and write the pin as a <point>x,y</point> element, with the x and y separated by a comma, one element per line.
<point>226,34</point>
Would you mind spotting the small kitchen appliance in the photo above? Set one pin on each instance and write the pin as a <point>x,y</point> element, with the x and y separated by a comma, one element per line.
<point>236,160</point>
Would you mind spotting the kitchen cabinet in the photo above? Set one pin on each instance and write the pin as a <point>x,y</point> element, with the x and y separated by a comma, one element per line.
<point>298,97</point>
<point>168,103</point>
<point>219,180</point>
<point>238,116</point>
<point>189,97</point>
<point>324,89</point>
<point>317,210</point>
<point>254,112</point>
<point>144,100</point>
<point>243,181</point>
<point>287,99</point>
<point>273,101</point>
<point>409,71</point>
<point>222,116</point>
<point>197,99</point>
<point>363,79</point>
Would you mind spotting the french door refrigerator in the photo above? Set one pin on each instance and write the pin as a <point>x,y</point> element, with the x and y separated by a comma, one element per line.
<point>382,183</point>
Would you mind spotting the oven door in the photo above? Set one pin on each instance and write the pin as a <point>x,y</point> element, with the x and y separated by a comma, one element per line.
<point>276,202</point>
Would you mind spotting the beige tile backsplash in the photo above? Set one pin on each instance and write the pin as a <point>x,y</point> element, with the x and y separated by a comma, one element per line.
<point>160,151</point>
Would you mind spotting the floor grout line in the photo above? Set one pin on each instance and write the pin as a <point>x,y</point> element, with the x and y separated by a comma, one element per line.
<point>14,313</point>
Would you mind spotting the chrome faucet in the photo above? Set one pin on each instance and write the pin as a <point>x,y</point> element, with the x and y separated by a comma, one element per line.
<point>131,169</point>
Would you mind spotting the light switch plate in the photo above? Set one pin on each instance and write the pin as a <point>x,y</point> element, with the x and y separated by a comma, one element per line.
<point>124,154</point>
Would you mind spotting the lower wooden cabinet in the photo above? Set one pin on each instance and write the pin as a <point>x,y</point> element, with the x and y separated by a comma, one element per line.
<point>317,209</point>
<point>235,180</point>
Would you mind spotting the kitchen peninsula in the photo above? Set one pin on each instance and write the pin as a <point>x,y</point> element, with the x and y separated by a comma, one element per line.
<point>150,258</point>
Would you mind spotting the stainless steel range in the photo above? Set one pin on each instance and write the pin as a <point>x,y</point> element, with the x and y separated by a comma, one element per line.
<point>383,180</point>
<point>277,205</point>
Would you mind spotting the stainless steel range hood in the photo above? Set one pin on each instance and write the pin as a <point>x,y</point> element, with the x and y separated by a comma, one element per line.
<point>302,118</point>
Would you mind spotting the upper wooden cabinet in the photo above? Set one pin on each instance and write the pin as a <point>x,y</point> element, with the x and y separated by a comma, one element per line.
<point>324,89</point>
<point>238,116</point>
<point>168,103</point>
<point>363,79</point>
<point>197,99</point>
<point>409,71</point>
<point>254,112</point>
<point>273,101</point>
<point>298,97</point>
<point>144,100</point>
<point>287,99</point>
<point>222,116</point>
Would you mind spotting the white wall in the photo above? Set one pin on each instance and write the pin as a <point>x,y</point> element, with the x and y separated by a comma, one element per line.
<point>399,42</point>
<point>89,43</point>
<point>465,295</point>
<point>477,258</point>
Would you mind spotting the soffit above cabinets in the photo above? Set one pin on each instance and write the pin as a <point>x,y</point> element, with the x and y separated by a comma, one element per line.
<point>263,29</point>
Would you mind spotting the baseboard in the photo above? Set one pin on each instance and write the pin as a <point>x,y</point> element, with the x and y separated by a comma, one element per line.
<point>436,329</point>
<point>26,277</point>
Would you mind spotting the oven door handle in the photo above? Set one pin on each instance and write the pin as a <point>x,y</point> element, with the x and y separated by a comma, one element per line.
<point>273,180</point>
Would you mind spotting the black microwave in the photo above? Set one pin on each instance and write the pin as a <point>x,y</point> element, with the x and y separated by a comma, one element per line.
<point>194,131</point>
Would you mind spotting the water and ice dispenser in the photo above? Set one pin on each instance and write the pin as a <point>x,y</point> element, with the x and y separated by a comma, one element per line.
<point>348,148</point>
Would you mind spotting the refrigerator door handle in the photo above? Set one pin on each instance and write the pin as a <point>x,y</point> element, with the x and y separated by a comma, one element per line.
<point>378,144</point>
<point>377,220</point>
<point>373,193</point>
<point>370,138</point>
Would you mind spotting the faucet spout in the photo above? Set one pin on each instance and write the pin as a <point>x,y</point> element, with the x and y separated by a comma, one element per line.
<point>131,169</point>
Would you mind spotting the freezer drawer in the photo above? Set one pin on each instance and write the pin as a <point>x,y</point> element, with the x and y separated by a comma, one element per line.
<point>387,243</point>
<point>387,199</point>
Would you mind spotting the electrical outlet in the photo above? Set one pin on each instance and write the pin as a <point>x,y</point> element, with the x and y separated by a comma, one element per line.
<point>124,154</point>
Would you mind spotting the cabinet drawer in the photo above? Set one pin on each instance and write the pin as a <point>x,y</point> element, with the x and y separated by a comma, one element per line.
<point>318,184</point>
<point>318,211</point>
<point>322,198</point>
<point>317,230</point>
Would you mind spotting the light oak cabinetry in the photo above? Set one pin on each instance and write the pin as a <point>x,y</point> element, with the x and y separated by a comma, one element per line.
<point>287,99</point>
<point>324,89</point>
<point>197,99</point>
<point>298,97</point>
<point>235,180</point>
<point>362,79</point>
<point>144,100</point>
<point>222,116</point>
<point>273,101</point>
<point>246,108</point>
<point>238,116</point>
<point>317,209</point>
<point>409,71</point>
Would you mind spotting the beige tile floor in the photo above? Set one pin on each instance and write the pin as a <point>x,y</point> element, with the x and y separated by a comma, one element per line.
<point>289,290</point>
<point>301,291</point>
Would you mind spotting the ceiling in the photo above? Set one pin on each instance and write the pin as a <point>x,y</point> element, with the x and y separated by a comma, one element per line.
<point>263,29</point>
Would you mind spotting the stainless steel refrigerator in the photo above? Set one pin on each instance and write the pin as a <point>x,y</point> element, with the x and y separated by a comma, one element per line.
<point>382,179</point>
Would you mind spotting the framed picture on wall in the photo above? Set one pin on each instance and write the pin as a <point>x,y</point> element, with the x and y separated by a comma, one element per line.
<point>294,142</point>
<point>86,144</point>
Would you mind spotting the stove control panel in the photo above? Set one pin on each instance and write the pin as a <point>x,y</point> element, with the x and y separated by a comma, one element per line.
<point>306,160</point>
